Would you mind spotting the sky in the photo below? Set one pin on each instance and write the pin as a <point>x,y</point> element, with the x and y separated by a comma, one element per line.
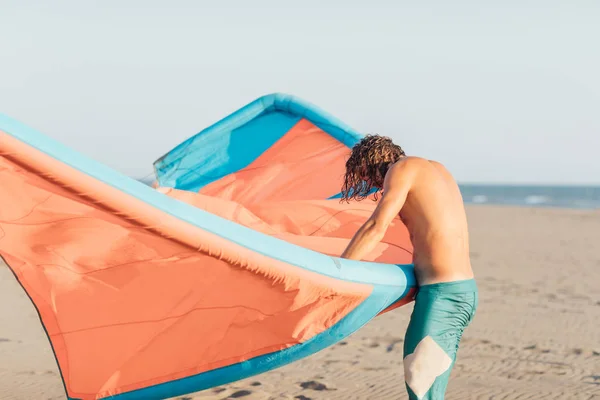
<point>500,92</point>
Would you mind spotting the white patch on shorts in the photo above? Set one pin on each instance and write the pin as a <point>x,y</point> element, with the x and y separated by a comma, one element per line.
<point>424,365</point>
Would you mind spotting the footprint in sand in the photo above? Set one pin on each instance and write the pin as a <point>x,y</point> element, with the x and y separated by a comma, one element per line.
<point>314,385</point>
<point>534,347</point>
<point>240,393</point>
<point>391,346</point>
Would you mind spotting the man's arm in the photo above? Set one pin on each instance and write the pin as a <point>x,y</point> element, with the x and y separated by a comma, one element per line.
<point>396,187</point>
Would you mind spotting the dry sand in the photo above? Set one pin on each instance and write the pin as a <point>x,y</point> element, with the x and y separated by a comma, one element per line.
<point>536,334</point>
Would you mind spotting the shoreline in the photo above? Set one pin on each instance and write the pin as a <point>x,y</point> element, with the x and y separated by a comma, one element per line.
<point>532,207</point>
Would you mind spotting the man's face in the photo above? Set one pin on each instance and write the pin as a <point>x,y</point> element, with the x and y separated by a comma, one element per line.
<point>372,181</point>
<point>364,175</point>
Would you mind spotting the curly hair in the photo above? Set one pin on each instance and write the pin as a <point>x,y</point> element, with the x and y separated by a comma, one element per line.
<point>368,163</point>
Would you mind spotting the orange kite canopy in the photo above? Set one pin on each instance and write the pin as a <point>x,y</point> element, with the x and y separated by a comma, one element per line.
<point>227,268</point>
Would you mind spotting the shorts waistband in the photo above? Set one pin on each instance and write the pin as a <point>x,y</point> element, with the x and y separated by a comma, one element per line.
<point>462,286</point>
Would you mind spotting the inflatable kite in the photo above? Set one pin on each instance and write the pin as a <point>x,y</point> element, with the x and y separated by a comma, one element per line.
<point>228,267</point>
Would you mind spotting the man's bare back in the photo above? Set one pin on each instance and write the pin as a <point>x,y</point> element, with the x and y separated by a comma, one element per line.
<point>435,217</point>
<point>429,202</point>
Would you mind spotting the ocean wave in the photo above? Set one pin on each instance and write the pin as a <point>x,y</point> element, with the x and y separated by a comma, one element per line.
<point>536,199</point>
<point>479,199</point>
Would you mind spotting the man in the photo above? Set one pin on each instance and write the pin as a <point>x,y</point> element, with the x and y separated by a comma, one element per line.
<point>428,200</point>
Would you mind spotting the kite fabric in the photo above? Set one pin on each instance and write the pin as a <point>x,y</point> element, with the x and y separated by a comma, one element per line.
<point>228,267</point>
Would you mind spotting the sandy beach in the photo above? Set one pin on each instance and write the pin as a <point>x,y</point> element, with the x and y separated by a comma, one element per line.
<point>536,334</point>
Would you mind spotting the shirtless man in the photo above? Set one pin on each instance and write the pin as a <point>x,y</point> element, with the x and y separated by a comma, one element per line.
<point>428,200</point>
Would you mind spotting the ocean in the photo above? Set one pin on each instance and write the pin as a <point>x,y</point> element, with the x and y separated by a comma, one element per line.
<point>582,197</point>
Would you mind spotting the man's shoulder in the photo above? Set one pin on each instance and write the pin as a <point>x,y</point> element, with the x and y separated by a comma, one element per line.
<point>411,162</point>
<point>413,167</point>
<point>404,168</point>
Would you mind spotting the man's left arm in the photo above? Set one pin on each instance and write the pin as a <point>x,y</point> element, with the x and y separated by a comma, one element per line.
<point>397,184</point>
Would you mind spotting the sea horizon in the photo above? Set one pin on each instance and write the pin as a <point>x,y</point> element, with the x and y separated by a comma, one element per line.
<point>574,196</point>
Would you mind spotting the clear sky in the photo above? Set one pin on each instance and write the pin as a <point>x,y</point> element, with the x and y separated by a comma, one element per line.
<point>501,92</point>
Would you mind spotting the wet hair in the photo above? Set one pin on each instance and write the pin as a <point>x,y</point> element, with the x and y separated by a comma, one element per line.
<point>367,165</point>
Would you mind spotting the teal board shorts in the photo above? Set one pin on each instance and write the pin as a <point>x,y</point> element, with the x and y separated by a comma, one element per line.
<point>441,313</point>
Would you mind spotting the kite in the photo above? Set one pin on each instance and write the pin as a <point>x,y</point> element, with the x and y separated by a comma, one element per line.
<point>227,267</point>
